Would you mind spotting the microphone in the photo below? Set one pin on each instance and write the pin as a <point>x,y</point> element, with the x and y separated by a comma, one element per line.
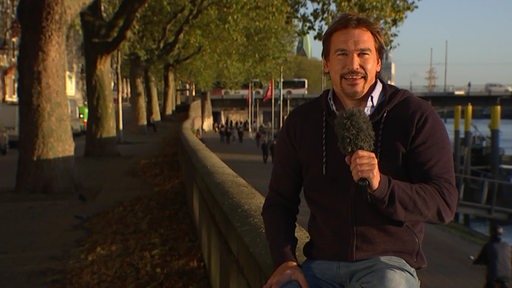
<point>355,132</point>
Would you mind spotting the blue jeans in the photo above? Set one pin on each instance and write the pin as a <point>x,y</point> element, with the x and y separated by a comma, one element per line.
<point>378,272</point>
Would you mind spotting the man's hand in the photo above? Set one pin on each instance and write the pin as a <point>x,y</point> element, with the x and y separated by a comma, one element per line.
<point>288,271</point>
<point>363,164</point>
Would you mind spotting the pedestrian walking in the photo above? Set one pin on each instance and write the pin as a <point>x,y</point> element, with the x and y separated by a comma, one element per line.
<point>257,137</point>
<point>264,150</point>
<point>228,134</point>
<point>151,122</point>
<point>222,133</point>
<point>495,255</point>
<point>272,148</point>
<point>240,132</point>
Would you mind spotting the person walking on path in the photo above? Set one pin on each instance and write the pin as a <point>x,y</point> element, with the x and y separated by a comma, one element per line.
<point>228,134</point>
<point>265,149</point>
<point>151,122</point>
<point>495,255</point>
<point>272,147</point>
<point>222,133</point>
<point>359,235</point>
<point>240,131</point>
<point>258,139</point>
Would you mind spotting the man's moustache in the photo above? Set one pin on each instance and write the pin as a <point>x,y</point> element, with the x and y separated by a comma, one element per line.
<point>354,73</point>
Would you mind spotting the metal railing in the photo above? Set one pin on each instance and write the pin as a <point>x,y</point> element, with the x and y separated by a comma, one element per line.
<point>483,196</point>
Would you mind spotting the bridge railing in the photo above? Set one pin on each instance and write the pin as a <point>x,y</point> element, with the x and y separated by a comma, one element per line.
<point>480,195</point>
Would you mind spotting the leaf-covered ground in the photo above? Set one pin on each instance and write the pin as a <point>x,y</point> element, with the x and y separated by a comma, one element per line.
<point>147,242</point>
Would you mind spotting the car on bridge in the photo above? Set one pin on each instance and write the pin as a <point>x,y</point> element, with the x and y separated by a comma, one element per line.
<point>496,88</point>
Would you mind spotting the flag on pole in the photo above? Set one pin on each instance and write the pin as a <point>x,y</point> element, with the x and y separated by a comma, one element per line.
<point>268,94</point>
<point>249,95</point>
<point>279,90</point>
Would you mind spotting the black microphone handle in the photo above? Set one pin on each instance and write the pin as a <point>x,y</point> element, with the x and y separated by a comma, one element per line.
<point>363,182</point>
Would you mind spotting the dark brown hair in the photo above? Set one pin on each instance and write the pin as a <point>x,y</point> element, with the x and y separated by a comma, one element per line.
<point>352,21</point>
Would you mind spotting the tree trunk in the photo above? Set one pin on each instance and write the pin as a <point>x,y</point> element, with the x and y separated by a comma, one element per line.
<point>177,96</point>
<point>137,98</point>
<point>101,137</point>
<point>169,91</point>
<point>46,147</point>
<point>152,97</point>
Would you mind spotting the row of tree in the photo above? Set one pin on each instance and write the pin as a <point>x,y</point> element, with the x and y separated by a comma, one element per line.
<point>201,40</point>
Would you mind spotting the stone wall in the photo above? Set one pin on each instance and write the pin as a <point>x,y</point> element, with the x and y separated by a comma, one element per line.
<point>226,211</point>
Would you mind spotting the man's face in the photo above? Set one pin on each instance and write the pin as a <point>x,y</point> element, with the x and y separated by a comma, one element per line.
<point>353,63</point>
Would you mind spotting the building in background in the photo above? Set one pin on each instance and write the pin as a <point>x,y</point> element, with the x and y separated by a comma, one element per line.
<point>387,72</point>
<point>304,46</point>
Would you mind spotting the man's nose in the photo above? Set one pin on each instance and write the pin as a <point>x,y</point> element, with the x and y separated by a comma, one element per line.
<point>353,61</point>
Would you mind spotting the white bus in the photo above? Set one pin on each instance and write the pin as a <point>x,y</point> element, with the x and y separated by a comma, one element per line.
<point>292,88</point>
<point>242,92</point>
<point>295,88</point>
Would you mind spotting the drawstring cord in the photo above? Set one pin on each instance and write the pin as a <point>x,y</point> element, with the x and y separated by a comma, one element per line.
<point>324,156</point>
<point>379,138</point>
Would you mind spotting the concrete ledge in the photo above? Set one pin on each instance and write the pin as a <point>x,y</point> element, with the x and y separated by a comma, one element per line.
<point>226,212</point>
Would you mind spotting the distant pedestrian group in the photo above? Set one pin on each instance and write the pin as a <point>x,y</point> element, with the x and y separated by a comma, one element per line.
<point>229,132</point>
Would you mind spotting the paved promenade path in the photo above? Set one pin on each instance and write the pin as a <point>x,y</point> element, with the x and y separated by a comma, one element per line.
<point>447,252</point>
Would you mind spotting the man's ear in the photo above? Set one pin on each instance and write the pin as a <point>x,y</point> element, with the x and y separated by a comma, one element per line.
<point>325,66</point>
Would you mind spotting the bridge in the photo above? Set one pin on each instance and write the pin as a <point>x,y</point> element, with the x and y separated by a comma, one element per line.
<point>480,99</point>
<point>236,106</point>
<point>436,98</point>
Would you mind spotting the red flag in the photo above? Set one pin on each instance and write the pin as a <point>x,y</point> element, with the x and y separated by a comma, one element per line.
<point>269,92</point>
<point>217,92</point>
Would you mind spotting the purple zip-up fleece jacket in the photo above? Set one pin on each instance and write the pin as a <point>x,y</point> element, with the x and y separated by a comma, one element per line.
<point>347,223</point>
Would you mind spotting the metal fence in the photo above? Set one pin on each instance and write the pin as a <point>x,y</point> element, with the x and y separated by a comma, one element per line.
<point>481,195</point>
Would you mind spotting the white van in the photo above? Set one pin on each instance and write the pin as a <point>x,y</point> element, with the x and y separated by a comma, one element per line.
<point>496,88</point>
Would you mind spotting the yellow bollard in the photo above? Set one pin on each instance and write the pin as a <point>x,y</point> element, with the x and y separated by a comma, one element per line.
<point>495,117</point>
<point>495,139</point>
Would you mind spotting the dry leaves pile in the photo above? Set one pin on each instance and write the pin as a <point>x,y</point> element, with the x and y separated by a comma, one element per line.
<point>147,242</point>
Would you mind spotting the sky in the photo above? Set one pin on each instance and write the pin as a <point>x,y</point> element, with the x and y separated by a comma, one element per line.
<point>474,35</point>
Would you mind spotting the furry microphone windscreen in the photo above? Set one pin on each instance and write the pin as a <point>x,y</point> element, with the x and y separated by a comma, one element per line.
<point>354,130</point>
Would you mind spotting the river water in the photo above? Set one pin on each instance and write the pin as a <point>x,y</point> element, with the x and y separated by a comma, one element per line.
<point>481,127</point>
